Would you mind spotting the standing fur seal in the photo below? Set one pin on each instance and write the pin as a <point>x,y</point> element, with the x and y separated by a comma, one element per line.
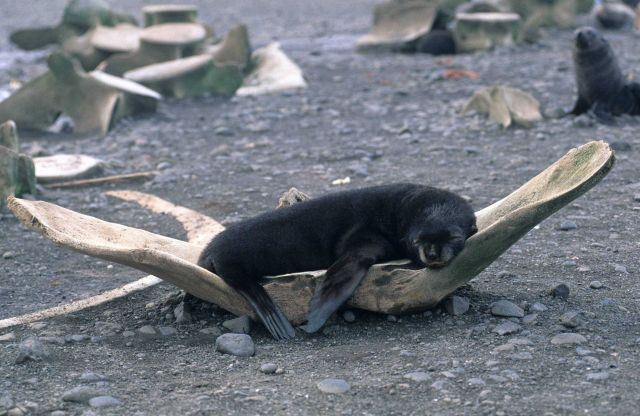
<point>344,232</point>
<point>602,88</point>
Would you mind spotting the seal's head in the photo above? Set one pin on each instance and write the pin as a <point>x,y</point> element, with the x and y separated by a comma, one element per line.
<point>587,38</point>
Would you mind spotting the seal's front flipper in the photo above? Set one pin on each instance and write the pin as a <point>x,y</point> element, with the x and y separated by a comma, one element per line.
<point>272,317</point>
<point>342,279</point>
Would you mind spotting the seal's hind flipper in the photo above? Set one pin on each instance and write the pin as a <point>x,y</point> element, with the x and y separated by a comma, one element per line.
<point>342,279</point>
<point>272,317</point>
<point>602,114</point>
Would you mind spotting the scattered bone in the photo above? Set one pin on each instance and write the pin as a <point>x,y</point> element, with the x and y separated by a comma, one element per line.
<point>65,167</point>
<point>505,105</point>
<point>480,31</point>
<point>273,71</point>
<point>169,13</point>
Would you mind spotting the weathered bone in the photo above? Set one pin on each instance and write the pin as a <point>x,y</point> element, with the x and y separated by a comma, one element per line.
<point>388,288</point>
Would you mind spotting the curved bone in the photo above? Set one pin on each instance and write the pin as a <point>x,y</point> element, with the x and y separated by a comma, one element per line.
<point>199,228</point>
<point>388,288</point>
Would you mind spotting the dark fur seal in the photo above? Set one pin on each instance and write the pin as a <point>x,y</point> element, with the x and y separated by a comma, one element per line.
<point>437,42</point>
<point>344,232</point>
<point>602,88</point>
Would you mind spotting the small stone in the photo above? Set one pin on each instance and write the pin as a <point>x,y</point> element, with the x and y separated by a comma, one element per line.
<point>128,334</point>
<point>560,291</point>
<point>497,379</point>
<point>6,402</point>
<point>32,349</point>
<point>211,330</point>
<point>349,316</point>
<point>599,376</point>
<point>240,345</point>
<point>530,318</point>
<point>417,376</point>
<point>8,255</point>
<point>147,330</point>
<point>438,384</point>
<point>239,325</point>
<point>507,309</point>
<point>9,336</point>
<point>583,351</point>
<point>37,325</point>
<point>508,347</point>
<point>621,269</point>
<point>268,368</point>
<point>76,338</point>
<point>456,305</point>
<point>167,330</point>
<point>91,377</point>
<point>568,339</point>
<point>392,318</point>
<point>58,413</point>
<point>636,198</point>
<point>570,319</point>
<point>538,307</point>
<point>104,401</point>
<point>81,394</point>
<point>568,225</point>
<point>333,386</point>
<point>182,314</point>
<point>506,328</point>
<point>223,131</point>
<point>596,284</point>
<point>525,355</point>
<point>476,382</point>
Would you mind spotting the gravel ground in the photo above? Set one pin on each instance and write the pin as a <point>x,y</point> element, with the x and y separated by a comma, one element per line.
<point>376,119</point>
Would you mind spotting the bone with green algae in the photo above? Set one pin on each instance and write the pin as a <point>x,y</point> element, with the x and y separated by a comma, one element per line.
<point>480,31</point>
<point>89,98</point>
<point>17,176</point>
<point>156,14</point>
<point>387,288</point>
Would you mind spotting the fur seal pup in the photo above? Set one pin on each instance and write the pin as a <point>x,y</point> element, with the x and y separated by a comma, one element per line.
<point>437,42</point>
<point>344,232</point>
<point>602,88</point>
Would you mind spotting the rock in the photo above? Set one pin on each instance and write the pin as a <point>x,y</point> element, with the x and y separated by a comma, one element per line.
<point>167,330</point>
<point>104,401</point>
<point>349,316</point>
<point>568,339</point>
<point>9,336</point>
<point>476,382</point>
<point>32,349</point>
<point>417,376</point>
<point>182,314</point>
<point>560,291</point>
<point>567,225</point>
<point>91,377</point>
<point>595,284</point>
<point>538,307</point>
<point>333,386</point>
<point>621,269</point>
<point>530,318</point>
<point>439,384</point>
<point>211,330</point>
<point>506,309</point>
<point>240,345</point>
<point>7,255</point>
<point>147,330</point>
<point>570,319</point>
<point>82,394</point>
<point>506,328</point>
<point>599,376</point>
<point>268,368</point>
<point>239,325</point>
<point>456,305</point>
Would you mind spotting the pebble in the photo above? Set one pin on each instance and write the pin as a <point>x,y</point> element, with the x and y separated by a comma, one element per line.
<point>620,269</point>
<point>530,318</point>
<point>268,368</point>
<point>58,413</point>
<point>147,330</point>
<point>570,319</point>
<point>8,255</point>
<point>568,339</point>
<point>167,330</point>
<point>595,284</point>
<point>583,351</point>
<point>76,338</point>
<point>182,314</point>
<point>560,291</point>
<point>476,382</point>
<point>128,334</point>
<point>81,394</point>
<point>104,401</point>
<point>507,309</point>
<point>91,377</point>
<point>438,384</point>
<point>538,307</point>
<point>240,345</point>
<point>32,349</point>
<point>9,336</point>
<point>525,355</point>
<point>417,376</point>
<point>223,131</point>
<point>568,225</point>
<point>392,318</point>
<point>239,325</point>
<point>599,376</point>
<point>211,330</point>
<point>456,305</point>
<point>349,316</point>
<point>496,378</point>
<point>507,327</point>
<point>333,386</point>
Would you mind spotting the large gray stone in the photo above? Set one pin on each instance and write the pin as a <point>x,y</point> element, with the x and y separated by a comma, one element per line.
<point>240,345</point>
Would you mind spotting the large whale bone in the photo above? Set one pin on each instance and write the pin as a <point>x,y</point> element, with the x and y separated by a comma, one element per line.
<point>387,288</point>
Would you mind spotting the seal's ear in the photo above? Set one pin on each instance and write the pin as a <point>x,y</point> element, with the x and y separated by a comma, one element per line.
<point>474,229</point>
